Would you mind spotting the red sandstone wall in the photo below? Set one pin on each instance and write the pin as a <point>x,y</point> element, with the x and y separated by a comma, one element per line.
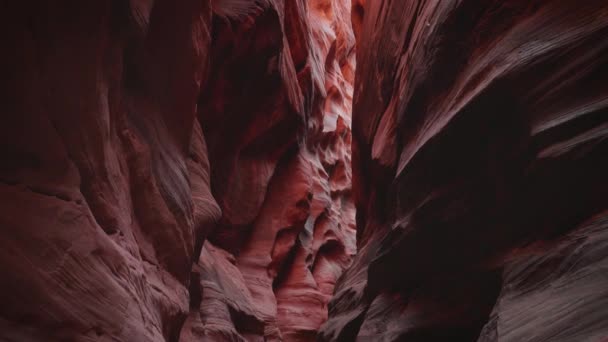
<point>133,131</point>
<point>479,173</point>
<point>281,172</point>
<point>181,170</point>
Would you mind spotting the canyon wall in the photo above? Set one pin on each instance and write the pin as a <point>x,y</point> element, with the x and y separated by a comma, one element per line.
<point>479,173</point>
<point>174,170</point>
<point>181,170</point>
<point>276,116</point>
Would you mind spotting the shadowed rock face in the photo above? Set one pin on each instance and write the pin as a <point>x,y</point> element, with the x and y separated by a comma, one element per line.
<point>133,131</point>
<point>181,170</point>
<point>479,173</point>
<point>105,181</point>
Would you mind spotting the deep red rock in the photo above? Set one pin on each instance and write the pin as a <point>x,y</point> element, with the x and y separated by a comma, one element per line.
<point>181,170</point>
<point>105,181</point>
<point>276,112</point>
<point>135,130</point>
<point>479,163</point>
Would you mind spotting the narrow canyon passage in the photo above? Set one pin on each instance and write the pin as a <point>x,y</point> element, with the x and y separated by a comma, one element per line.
<point>304,170</point>
<point>179,171</point>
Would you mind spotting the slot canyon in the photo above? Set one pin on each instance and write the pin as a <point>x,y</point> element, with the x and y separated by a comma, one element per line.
<point>304,170</point>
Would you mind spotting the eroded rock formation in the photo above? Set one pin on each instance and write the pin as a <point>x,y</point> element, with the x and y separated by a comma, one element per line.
<point>134,131</point>
<point>181,170</point>
<point>479,173</point>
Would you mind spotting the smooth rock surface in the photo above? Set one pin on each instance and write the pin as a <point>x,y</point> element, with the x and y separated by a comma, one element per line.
<point>101,195</point>
<point>479,173</point>
<point>181,170</point>
<point>134,131</point>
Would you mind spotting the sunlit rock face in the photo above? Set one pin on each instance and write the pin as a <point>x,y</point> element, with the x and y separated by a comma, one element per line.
<point>479,173</point>
<point>174,170</point>
<point>276,116</point>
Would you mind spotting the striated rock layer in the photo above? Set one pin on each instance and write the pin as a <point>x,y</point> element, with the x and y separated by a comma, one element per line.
<point>135,130</point>
<point>276,112</point>
<point>480,163</point>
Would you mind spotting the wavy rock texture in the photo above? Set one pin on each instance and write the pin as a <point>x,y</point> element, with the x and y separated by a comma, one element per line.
<point>479,160</point>
<point>277,112</point>
<point>135,130</point>
<point>105,180</point>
